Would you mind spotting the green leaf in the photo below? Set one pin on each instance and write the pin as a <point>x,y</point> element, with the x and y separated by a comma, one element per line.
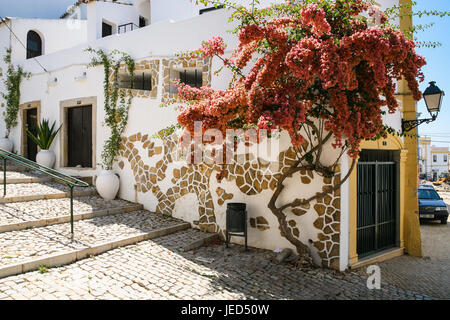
<point>45,134</point>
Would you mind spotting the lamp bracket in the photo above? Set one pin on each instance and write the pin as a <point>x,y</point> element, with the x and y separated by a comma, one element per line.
<point>408,125</point>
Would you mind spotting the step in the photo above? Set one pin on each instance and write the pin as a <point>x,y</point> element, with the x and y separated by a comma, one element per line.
<point>23,215</point>
<point>26,250</point>
<point>378,257</point>
<point>201,241</point>
<point>35,191</point>
<point>13,167</point>
<point>16,177</point>
<point>26,180</point>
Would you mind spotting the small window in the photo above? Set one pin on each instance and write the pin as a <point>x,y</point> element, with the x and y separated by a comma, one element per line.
<point>445,158</point>
<point>34,45</point>
<point>191,77</point>
<point>142,81</point>
<point>106,29</point>
<point>142,22</point>
<point>434,158</point>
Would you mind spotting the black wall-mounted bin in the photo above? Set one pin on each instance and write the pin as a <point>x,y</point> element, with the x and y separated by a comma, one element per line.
<point>236,222</point>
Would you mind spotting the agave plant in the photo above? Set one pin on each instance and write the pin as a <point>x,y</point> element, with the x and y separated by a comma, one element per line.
<point>45,134</point>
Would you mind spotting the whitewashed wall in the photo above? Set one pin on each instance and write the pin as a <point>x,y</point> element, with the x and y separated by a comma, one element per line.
<point>175,10</point>
<point>56,35</point>
<point>66,60</point>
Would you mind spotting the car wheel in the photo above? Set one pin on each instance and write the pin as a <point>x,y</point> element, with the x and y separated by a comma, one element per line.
<point>444,221</point>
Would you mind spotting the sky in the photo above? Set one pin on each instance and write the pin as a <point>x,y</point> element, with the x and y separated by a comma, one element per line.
<point>437,68</point>
<point>51,9</point>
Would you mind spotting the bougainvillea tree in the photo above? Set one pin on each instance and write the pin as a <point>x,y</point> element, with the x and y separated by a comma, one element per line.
<point>324,71</point>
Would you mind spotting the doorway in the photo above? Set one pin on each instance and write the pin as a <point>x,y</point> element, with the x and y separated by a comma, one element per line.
<point>79,137</point>
<point>30,123</point>
<point>377,201</point>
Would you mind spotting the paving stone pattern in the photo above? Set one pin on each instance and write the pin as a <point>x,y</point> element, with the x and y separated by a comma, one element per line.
<point>161,269</point>
<point>16,212</point>
<point>158,269</point>
<point>20,175</point>
<point>28,189</point>
<point>18,246</point>
<point>429,274</point>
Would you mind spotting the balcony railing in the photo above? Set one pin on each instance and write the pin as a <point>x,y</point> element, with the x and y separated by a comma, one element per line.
<point>123,28</point>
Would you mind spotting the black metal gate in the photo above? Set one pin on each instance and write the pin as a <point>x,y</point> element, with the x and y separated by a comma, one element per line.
<point>377,207</point>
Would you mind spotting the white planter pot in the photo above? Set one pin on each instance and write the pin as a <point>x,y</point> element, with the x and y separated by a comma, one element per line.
<point>46,158</point>
<point>6,144</point>
<point>107,184</point>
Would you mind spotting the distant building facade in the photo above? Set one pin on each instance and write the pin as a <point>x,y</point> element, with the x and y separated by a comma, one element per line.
<point>433,161</point>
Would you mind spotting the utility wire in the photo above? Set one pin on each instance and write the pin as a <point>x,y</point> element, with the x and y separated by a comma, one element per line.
<point>6,24</point>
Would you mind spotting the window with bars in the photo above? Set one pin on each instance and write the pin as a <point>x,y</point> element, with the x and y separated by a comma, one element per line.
<point>142,81</point>
<point>106,29</point>
<point>445,158</point>
<point>191,77</point>
<point>434,158</point>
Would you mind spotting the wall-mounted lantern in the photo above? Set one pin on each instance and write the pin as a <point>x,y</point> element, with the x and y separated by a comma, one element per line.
<point>52,82</point>
<point>81,77</point>
<point>433,99</point>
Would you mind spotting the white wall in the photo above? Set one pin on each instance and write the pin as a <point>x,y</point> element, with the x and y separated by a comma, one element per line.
<point>440,166</point>
<point>162,10</point>
<point>143,8</point>
<point>111,13</point>
<point>66,59</point>
<point>56,34</point>
<point>67,64</point>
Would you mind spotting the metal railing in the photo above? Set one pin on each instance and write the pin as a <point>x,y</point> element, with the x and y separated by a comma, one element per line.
<point>123,28</point>
<point>71,182</point>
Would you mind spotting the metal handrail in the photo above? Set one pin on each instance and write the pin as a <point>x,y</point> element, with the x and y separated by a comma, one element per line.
<point>126,25</point>
<point>69,180</point>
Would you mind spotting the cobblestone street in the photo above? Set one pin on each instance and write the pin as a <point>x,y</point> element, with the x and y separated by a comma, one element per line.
<point>36,232</point>
<point>158,269</point>
<point>429,274</point>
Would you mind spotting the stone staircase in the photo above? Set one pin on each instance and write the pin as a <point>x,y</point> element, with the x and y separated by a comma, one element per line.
<point>35,224</point>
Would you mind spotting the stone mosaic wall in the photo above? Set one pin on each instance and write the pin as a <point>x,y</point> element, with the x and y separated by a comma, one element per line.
<point>177,63</point>
<point>150,65</point>
<point>250,177</point>
<point>328,221</point>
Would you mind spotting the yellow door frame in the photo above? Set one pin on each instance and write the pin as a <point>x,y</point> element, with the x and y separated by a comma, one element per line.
<point>392,143</point>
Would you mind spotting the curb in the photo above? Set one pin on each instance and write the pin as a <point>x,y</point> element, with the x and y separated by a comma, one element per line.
<point>66,257</point>
<point>64,219</point>
<point>201,242</point>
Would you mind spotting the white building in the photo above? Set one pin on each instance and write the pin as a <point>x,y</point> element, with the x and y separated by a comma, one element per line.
<point>63,88</point>
<point>433,160</point>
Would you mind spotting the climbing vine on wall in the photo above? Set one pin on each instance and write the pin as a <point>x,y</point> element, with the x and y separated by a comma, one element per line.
<point>117,100</point>
<point>14,76</point>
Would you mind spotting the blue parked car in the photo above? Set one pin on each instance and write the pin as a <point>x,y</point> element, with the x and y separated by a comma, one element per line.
<point>431,205</point>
